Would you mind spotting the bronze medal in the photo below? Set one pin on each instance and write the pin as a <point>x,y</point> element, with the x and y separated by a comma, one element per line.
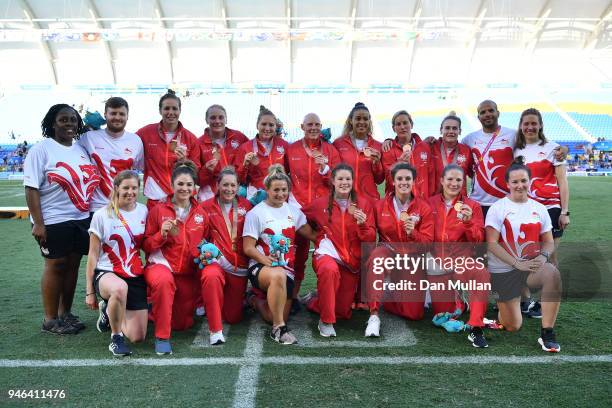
<point>174,230</point>
<point>404,216</point>
<point>407,148</point>
<point>172,145</point>
<point>458,206</point>
<point>351,208</point>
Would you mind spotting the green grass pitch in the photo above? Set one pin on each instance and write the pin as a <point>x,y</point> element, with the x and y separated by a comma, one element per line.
<point>433,369</point>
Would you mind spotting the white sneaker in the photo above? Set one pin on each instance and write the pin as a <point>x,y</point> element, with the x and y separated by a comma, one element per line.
<point>217,338</point>
<point>326,329</point>
<point>373,329</point>
<point>200,311</point>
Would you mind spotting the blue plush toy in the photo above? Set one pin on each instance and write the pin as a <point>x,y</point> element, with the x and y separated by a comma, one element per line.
<point>279,245</point>
<point>208,253</point>
<point>93,120</point>
<point>449,322</point>
<point>326,135</point>
<point>259,196</point>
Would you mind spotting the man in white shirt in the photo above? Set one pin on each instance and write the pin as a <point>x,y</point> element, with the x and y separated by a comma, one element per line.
<point>112,149</point>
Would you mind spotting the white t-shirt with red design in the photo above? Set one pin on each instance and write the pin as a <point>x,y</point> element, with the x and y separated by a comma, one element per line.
<point>111,156</point>
<point>520,226</point>
<point>117,251</point>
<point>263,221</point>
<point>541,161</point>
<point>65,178</point>
<point>489,184</point>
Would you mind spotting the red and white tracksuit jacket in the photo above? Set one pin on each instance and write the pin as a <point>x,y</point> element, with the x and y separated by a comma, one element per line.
<point>223,289</point>
<point>159,160</point>
<point>170,272</point>
<point>207,179</point>
<point>460,155</point>
<point>337,259</point>
<point>254,174</point>
<point>392,156</point>
<point>449,228</point>
<point>394,239</point>
<point>367,173</point>
<point>308,184</point>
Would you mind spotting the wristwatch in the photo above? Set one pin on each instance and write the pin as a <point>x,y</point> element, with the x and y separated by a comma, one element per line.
<point>546,255</point>
<point>566,213</point>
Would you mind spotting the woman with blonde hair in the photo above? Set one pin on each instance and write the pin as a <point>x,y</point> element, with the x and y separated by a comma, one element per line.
<point>114,269</point>
<point>269,234</point>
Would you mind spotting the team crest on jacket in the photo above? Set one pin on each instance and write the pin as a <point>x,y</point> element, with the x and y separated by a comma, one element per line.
<point>242,211</point>
<point>461,159</point>
<point>280,149</point>
<point>423,156</point>
<point>416,217</point>
<point>235,144</point>
<point>198,219</point>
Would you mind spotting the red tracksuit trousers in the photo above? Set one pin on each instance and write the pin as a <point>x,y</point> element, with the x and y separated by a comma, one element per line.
<point>173,297</point>
<point>223,296</point>
<point>409,304</point>
<point>336,288</point>
<point>442,300</point>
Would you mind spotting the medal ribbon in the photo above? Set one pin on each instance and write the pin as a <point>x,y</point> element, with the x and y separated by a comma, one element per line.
<point>446,156</point>
<point>232,228</point>
<point>125,225</point>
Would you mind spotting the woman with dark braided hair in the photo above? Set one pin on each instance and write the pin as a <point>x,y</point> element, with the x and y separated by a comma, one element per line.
<point>342,221</point>
<point>59,181</point>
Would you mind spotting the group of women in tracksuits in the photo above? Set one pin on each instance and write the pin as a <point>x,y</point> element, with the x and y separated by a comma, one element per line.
<point>316,191</point>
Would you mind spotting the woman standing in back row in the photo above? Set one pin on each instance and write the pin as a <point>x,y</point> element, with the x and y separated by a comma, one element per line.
<point>358,149</point>
<point>164,143</point>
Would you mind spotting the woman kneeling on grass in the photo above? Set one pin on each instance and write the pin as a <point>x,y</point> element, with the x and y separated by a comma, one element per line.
<point>114,269</point>
<point>265,222</point>
<point>520,244</point>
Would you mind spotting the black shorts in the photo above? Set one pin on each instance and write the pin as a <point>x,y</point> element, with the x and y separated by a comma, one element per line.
<point>508,285</point>
<point>65,238</point>
<point>137,290</point>
<point>253,275</point>
<point>554,214</point>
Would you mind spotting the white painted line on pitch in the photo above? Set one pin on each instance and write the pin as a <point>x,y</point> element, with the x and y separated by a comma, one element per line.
<point>245,389</point>
<point>394,333</point>
<point>299,360</point>
<point>202,339</point>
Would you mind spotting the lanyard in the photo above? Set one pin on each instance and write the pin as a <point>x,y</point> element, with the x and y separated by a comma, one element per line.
<point>125,225</point>
<point>445,155</point>
<point>232,228</point>
<point>267,153</point>
<point>486,150</point>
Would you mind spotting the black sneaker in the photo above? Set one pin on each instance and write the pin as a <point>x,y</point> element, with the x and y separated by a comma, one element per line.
<point>283,335</point>
<point>118,347</point>
<point>73,320</point>
<point>103,324</point>
<point>548,340</point>
<point>58,326</point>
<point>525,307</point>
<point>535,310</point>
<point>477,338</point>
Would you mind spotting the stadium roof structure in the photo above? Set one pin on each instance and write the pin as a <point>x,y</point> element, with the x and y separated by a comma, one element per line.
<point>77,42</point>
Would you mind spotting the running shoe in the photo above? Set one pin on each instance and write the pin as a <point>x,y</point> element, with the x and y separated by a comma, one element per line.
<point>326,329</point>
<point>477,338</point>
<point>217,338</point>
<point>534,310</point>
<point>163,347</point>
<point>58,326</point>
<point>373,328</point>
<point>548,341</point>
<point>103,324</point>
<point>118,347</point>
<point>73,320</point>
<point>283,335</point>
